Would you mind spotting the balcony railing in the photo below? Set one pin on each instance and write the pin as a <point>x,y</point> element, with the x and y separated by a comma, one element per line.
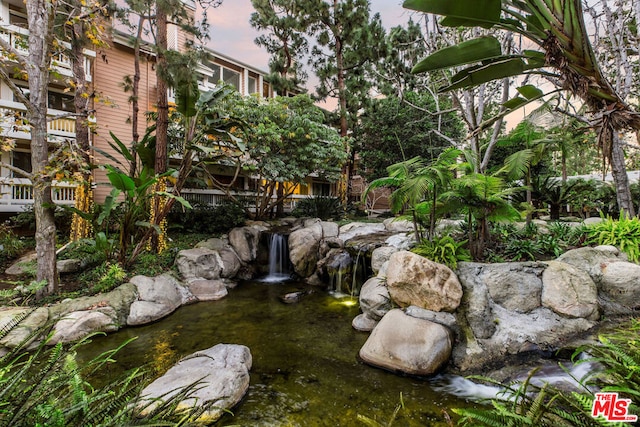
<point>18,38</point>
<point>13,120</point>
<point>213,197</point>
<point>17,193</point>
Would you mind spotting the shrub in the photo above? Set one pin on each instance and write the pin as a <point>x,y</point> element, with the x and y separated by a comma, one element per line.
<point>12,246</point>
<point>623,233</point>
<point>443,250</point>
<point>204,218</point>
<point>323,207</point>
<point>519,249</point>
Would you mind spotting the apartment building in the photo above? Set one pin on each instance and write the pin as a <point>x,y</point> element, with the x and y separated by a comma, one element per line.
<point>107,69</point>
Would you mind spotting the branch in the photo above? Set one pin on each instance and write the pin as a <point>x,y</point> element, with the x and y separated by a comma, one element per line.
<point>16,170</point>
<point>15,88</point>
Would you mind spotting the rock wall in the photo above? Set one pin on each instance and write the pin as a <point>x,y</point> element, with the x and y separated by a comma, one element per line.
<point>495,311</point>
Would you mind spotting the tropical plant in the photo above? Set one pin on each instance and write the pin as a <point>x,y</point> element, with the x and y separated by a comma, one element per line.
<point>624,233</point>
<point>558,29</point>
<point>482,198</point>
<point>48,387</point>
<point>443,250</point>
<point>323,207</point>
<point>11,245</point>
<point>417,186</point>
<point>522,249</point>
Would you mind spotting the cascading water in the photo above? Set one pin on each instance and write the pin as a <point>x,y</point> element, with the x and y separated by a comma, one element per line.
<point>278,259</point>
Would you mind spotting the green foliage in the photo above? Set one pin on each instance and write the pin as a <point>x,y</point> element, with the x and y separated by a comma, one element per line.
<point>204,218</point>
<point>443,250</point>
<point>393,129</point>
<point>323,207</point>
<point>567,234</point>
<point>27,219</point>
<point>528,405</point>
<point>522,249</point>
<point>623,233</point>
<point>48,387</point>
<point>111,276</point>
<point>11,245</point>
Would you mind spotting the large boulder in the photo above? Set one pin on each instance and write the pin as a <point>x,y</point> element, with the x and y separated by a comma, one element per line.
<point>157,297</point>
<point>381,255</point>
<point>620,283</point>
<point>120,299</point>
<point>516,286</point>
<point>30,320</point>
<point>199,262</point>
<point>244,241</point>
<point>396,225</point>
<point>592,260</point>
<point>569,292</point>
<point>303,249</point>
<point>353,229</point>
<point>222,376</point>
<point>375,301</point>
<point>407,344</point>
<point>414,280</point>
<point>207,290</point>
<point>78,324</point>
<point>476,304</point>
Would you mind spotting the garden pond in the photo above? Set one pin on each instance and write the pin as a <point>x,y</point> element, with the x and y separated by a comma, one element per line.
<point>305,370</point>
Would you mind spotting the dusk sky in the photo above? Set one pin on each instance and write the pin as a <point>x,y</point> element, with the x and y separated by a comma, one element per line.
<point>232,35</point>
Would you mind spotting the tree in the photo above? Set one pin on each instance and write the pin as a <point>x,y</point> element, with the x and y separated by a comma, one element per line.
<point>558,29</point>
<point>286,141</point>
<point>391,130</point>
<point>347,41</point>
<point>285,42</point>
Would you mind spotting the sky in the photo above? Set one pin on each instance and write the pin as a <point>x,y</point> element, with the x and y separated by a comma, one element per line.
<point>232,35</point>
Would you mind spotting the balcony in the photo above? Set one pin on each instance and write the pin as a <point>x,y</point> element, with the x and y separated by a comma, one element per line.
<point>13,122</point>
<point>17,193</point>
<point>18,38</point>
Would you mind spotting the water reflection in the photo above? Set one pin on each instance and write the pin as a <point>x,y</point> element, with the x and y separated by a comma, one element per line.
<point>305,367</point>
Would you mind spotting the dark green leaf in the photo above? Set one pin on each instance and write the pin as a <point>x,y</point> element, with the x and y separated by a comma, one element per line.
<point>475,50</point>
<point>479,10</point>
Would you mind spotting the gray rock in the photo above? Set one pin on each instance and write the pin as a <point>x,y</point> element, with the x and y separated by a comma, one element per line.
<point>78,324</point>
<point>407,344</point>
<point>476,305</point>
<point>207,290</point>
<point>66,266</point>
<point>445,319</point>
<point>244,241</point>
<point>329,229</point>
<point>23,264</point>
<point>592,220</point>
<point>222,374</point>
<point>414,280</point>
<point>200,262</point>
<point>375,301</point>
<point>303,249</point>
<point>514,285</point>
<point>381,255</point>
<point>353,229</point>
<point>401,241</point>
<point>592,260</point>
<point>230,263</point>
<point>120,299</point>
<point>621,283</point>
<point>569,291</point>
<point>157,298</point>
<point>214,244</point>
<point>363,323</point>
<point>396,225</point>
<point>22,333</point>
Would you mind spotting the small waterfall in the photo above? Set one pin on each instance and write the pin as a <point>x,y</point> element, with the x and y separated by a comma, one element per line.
<point>278,259</point>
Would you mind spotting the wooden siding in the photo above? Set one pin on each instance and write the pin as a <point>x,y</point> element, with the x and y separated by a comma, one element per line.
<point>111,67</point>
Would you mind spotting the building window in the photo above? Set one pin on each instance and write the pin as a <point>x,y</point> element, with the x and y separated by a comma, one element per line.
<point>231,77</point>
<point>216,76</point>
<point>321,189</point>
<point>253,85</point>
<point>22,160</point>
<point>60,101</point>
<point>266,90</point>
<point>18,16</point>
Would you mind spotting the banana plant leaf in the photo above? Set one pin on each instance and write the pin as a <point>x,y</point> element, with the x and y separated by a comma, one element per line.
<point>507,66</point>
<point>482,48</point>
<point>478,11</point>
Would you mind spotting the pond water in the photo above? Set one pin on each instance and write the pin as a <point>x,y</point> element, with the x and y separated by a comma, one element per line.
<point>305,366</point>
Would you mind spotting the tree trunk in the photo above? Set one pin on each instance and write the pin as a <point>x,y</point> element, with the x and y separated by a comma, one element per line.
<point>40,19</point>
<point>619,172</point>
<point>80,227</point>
